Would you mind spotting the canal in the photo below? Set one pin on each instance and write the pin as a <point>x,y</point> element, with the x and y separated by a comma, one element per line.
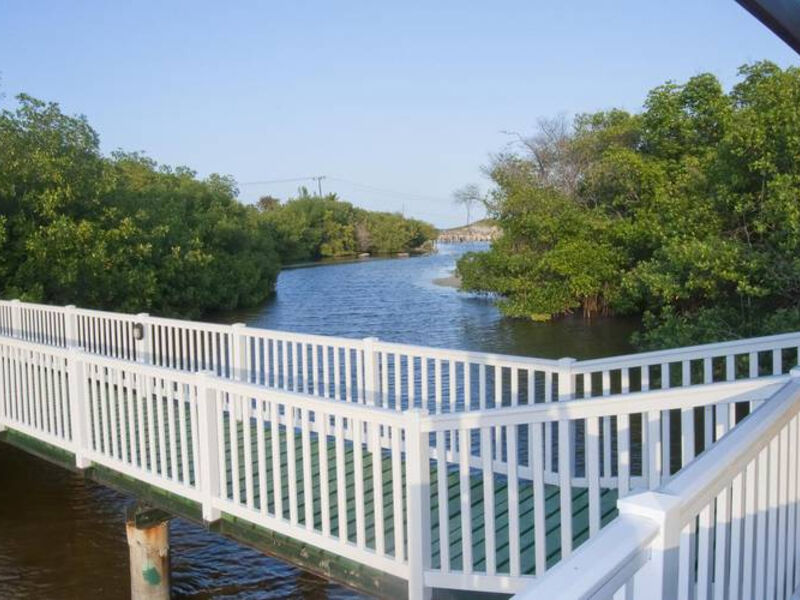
<point>64,538</point>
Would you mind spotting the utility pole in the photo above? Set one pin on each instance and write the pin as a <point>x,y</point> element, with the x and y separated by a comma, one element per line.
<point>319,179</point>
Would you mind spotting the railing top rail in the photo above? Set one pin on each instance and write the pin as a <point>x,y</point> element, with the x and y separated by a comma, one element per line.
<point>311,338</point>
<point>744,390</point>
<point>330,406</point>
<point>701,480</point>
<point>583,366</point>
<point>33,305</point>
<point>90,312</point>
<point>196,325</point>
<point>678,354</point>
<point>623,546</point>
<point>54,350</point>
<point>506,360</point>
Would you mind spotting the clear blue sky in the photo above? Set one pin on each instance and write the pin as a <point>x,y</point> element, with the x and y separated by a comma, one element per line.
<point>405,96</point>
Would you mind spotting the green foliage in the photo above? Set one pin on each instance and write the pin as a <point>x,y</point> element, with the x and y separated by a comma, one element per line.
<point>688,213</point>
<point>121,232</point>
<point>312,227</point>
<point>124,233</point>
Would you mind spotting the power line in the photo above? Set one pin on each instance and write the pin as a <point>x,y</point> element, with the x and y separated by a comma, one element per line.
<point>373,188</point>
<point>269,181</point>
<point>365,186</point>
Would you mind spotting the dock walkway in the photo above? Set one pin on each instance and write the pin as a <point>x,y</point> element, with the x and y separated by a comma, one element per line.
<point>338,454</point>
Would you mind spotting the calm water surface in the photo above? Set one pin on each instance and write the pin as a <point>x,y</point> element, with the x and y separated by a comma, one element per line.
<point>63,538</point>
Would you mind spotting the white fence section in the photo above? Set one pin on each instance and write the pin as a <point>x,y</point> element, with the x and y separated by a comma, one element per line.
<point>726,526</point>
<point>450,469</point>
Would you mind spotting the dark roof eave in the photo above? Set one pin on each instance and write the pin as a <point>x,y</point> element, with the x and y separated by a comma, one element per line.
<point>781,16</point>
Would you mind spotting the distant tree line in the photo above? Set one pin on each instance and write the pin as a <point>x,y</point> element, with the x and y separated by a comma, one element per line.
<point>124,233</point>
<point>312,227</point>
<point>687,213</point>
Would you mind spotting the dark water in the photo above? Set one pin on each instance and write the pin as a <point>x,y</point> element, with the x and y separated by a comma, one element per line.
<point>63,538</point>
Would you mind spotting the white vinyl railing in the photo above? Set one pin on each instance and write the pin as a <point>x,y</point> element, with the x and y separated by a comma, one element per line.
<point>451,469</point>
<point>726,526</point>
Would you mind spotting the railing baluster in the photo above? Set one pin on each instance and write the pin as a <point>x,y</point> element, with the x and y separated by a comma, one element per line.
<point>761,524</point>
<point>704,552</point>
<point>398,383</point>
<point>772,517</point>
<point>655,448</point>
<point>247,443</point>
<point>169,396</point>
<point>443,502</point>
<point>783,480</point>
<point>308,484</point>
<point>397,494</point>
<point>374,437</point>
<point>357,427</point>
<point>464,486</point>
<point>592,438</point>
<point>323,422</point>
<point>261,453</point>
<point>539,529</point>
<point>565,486</point>
<point>624,454</point>
<point>341,490</point>
<point>487,480</point>
<point>277,487</point>
<point>791,503</point>
<point>513,502</point>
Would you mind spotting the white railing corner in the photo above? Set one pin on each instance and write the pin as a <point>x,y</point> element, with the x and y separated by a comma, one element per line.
<point>208,445</point>
<point>16,318</point>
<point>239,352</point>
<point>142,338</point>
<point>78,408</point>
<point>566,378</point>
<point>418,498</point>
<point>794,372</point>
<point>658,577</point>
<point>371,372</point>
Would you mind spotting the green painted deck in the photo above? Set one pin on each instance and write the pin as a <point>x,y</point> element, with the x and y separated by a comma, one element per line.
<point>580,519</point>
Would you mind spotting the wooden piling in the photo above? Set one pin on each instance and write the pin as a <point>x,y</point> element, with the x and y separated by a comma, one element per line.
<point>148,543</point>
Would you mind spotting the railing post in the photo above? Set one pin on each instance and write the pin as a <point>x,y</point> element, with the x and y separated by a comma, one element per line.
<point>142,339</point>
<point>78,409</point>
<point>418,500</point>
<point>658,578</point>
<point>371,374</point>
<point>208,443</point>
<point>16,318</point>
<point>71,326</point>
<point>239,352</point>
<point>566,380</point>
<point>566,391</point>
